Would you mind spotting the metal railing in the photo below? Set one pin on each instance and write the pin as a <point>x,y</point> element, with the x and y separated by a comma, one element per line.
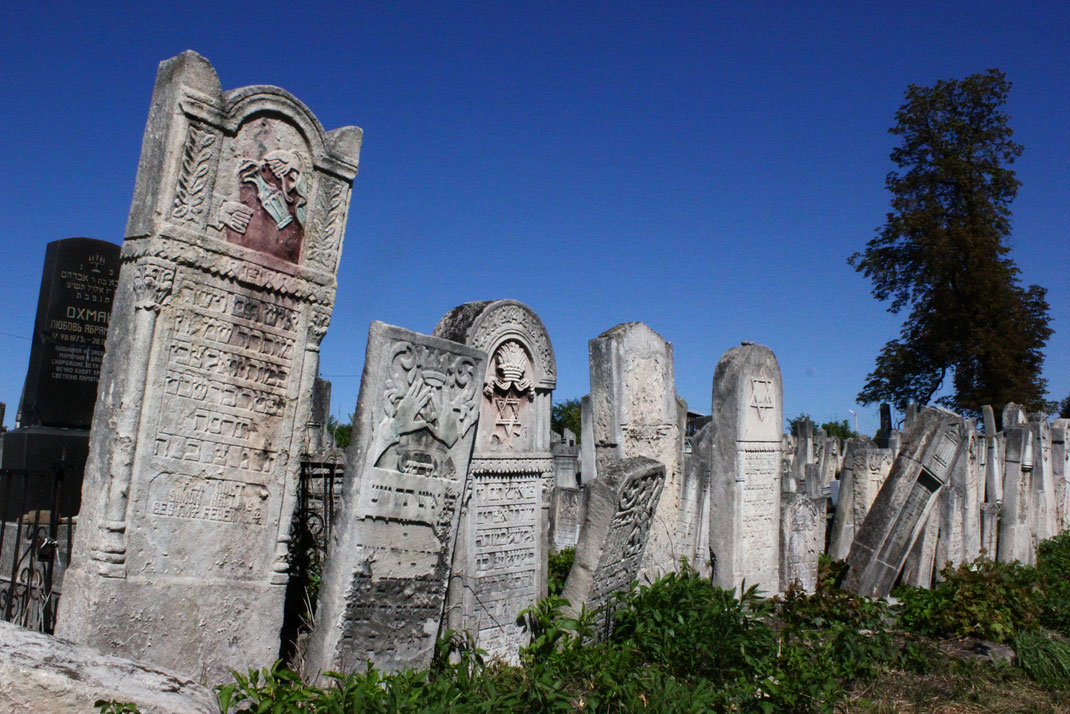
<point>35,546</point>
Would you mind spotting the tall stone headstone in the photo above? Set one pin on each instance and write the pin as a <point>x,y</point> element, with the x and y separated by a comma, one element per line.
<point>1060,468</point>
<point>225,291</point>
<point>1017,516</point>
<point>499,567</point>
<point>621,511</point>
<point>744,488</point>
<point>931,444</point>
<point>73,310</point>
<point>697,482</point>
<point>635,413</point>
<point>383,591</point>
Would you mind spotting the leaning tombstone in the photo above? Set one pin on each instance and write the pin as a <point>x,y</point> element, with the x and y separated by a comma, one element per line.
<point>383,592</point>
<point>621,509</point>
<point>225,291</point>
<point>635,413</point>
<point>56,410</point>
<point>918,568</point>
<point>884,539</point>
<point>744,488</point>
<point>499,566</point>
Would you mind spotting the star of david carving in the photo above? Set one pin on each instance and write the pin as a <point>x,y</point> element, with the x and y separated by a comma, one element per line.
<point>761,396</point>
<point>508,414</point>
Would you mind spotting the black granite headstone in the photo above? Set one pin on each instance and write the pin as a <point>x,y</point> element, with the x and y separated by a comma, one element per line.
<point>52,438</point>
<point>886,426</point>
<point>73,309</point>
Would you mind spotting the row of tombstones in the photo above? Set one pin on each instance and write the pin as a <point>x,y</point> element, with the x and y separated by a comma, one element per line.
<point>225,290</point>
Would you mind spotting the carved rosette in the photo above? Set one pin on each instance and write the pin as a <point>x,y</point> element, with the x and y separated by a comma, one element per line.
<point>192,191</point>
<point>152,285</point>
<point>325,242</point>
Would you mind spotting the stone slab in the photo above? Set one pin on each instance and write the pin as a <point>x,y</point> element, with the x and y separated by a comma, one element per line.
<point>226,288</point>
<point>46,675</point>
<point>931,443</point>
<point>384,585</point>
<point>621,508</point>
<point>744,483</point>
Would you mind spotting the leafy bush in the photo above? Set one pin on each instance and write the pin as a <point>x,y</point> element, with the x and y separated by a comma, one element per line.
<point>560,565</point>
<point>986,599</point>
<point>1053,564</point>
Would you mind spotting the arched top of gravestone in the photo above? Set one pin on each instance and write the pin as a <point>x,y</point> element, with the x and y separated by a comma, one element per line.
<point>248,174</point>
<point>487,324</point>
<point>748,394</point>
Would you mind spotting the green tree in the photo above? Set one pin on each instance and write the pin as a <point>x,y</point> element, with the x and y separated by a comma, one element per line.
<point>840,429</point>
<point>1064,408</point>
<point>342,433</point>
<point>566,415</point>
<point>942,253</point>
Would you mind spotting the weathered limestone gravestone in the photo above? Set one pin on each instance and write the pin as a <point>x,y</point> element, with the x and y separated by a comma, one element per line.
<point>802,540</point>
<point>499,567</point>
<point>566,498</point>
<point>635,413</point>
<point>225,291</point>
<point>744,487</point>
<point>931,444</point>
<point>1017,516</point>
<point>697,486</point>
<point>621,510</point>
<point>384,585</point>
<point>73,309</point>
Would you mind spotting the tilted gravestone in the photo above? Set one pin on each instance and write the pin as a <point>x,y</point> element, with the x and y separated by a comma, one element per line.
<point>1060,468</point>
<point>744,487</point>
<point>383,590</point>
<point>884,539</point>
<point>621,507</point>
<point>635,413</point>
<point>73,309</point>
<point>225,291</point>
<point>499,566</point>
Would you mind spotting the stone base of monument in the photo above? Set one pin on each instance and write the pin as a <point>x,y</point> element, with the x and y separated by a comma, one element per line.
<point>40,673</point>
<point>43,449</point>
<point>160,627</point>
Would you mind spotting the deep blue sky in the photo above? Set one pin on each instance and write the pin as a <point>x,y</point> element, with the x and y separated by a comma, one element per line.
<point>704,168</point>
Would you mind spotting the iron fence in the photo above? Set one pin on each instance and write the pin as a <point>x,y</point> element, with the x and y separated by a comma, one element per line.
<point>35,546</point>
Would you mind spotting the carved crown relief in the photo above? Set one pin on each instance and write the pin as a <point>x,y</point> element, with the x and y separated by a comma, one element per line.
<point>429,402</point>
<point>508,391</point>
<point>511,318</point>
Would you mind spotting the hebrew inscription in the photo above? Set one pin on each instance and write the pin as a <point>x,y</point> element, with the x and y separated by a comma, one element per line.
<point>385,584</point>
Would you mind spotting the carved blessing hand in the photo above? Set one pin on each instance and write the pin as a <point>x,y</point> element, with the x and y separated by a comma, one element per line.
<point>281,162</point>
<point>235,216</point>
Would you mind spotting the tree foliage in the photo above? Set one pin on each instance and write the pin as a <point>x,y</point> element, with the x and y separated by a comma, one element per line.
<point>942,252</point>
<point>342,433</point>
<point>566,415</point>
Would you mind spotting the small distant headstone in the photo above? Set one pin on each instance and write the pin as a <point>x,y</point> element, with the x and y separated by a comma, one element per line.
<point>802,540</point>
<point>744,484</point>
<point>384,585</point>
<point>886,426</point>
<point>620,512</point>
<point>884,540</point>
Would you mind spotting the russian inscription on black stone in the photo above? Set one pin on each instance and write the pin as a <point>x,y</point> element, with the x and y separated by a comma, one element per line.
<point>73,310</point>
